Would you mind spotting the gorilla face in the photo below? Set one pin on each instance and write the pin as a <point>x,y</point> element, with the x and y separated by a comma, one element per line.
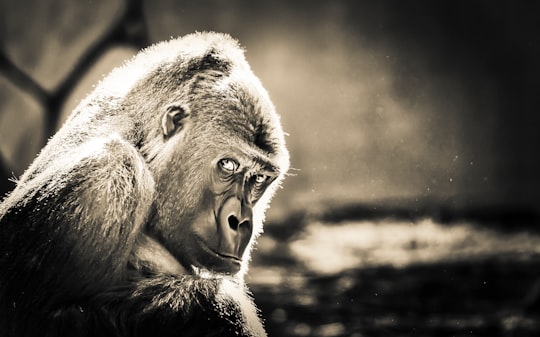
<point>223,228</point>
<point>224,160</point>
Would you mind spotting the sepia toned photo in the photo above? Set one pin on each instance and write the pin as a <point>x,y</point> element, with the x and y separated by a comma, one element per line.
<point>269,168</point>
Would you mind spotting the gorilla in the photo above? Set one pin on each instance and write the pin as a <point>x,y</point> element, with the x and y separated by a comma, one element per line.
<point>138,216</point>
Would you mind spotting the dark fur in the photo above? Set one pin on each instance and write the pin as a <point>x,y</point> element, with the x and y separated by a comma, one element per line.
<point>72,233</point>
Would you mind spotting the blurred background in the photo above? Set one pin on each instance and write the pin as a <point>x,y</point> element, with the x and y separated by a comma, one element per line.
<point>414,203</point>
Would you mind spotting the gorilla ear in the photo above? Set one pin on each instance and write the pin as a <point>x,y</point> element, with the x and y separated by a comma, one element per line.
<point>172,119</point>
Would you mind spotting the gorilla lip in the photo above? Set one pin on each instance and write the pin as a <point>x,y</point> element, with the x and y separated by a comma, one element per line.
<point>226,256</point>
<point>222,262</point>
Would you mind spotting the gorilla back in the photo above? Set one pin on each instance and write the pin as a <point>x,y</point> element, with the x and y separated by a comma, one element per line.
<point>139,215</point>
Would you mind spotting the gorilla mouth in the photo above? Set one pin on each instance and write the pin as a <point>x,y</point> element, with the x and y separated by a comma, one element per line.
<point>226,256</point>
<point>216,261</point>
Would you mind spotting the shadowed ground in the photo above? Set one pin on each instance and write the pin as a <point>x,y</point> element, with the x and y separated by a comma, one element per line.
<point>388,277</point>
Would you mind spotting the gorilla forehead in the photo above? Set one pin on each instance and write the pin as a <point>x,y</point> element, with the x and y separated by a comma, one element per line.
<point>236,112</point>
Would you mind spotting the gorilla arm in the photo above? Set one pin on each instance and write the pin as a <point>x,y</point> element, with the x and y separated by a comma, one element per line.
<point>67,232</point>
<point>164,305</point>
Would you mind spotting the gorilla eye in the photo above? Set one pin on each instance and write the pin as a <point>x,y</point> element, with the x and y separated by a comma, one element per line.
<point>228,165</point>
<point>260,178</point>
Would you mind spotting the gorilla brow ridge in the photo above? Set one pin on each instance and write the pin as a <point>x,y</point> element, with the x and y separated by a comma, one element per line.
<point>257,157</point>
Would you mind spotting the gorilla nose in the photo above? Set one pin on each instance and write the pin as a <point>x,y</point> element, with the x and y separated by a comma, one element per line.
<point>235,224</point>
<point>234,227</point>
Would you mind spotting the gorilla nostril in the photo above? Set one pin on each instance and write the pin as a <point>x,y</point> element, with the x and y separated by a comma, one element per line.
<point>244,224</point>
<point>233,222</point>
